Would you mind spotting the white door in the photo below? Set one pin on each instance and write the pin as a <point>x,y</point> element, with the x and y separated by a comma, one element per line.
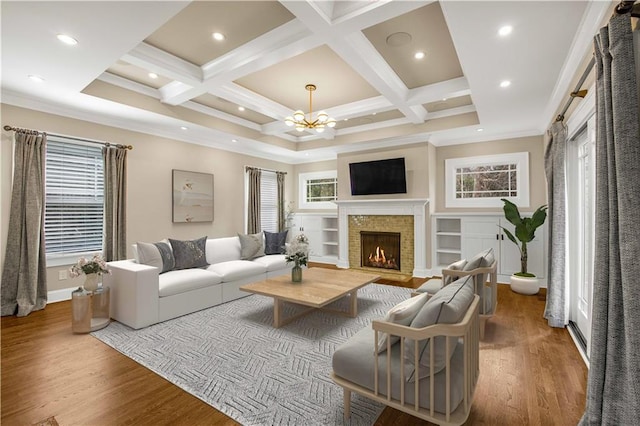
<point>581,209</point>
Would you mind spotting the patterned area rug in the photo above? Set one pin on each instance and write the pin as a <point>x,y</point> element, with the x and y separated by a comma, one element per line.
<point>232,358</point>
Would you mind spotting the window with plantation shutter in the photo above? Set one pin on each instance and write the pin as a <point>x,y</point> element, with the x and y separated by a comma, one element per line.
<point>74,180</point>
<point>268,201</point>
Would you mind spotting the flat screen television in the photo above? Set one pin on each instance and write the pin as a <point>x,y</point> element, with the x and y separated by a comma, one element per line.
<point>378,177</point>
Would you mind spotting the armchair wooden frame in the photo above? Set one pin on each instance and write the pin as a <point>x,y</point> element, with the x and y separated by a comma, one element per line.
<point>467,330</point>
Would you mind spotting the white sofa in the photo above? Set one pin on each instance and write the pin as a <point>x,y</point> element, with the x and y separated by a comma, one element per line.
<point>141,296</point>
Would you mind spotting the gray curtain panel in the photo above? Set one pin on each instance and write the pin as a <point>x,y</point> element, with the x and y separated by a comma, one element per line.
<point>24,275</point>
<point>115,203</point>
<point>557,309</point>
<point>253,215</point>
<point>613,389</point>
<point>281,222</point>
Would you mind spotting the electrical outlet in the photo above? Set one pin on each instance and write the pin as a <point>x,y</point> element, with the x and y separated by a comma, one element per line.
<point>62,275</point>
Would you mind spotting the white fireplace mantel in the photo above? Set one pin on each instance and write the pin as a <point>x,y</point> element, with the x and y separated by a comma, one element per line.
<point>405,207</point>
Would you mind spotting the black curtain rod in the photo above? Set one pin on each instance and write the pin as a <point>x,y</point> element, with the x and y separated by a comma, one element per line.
<point>16,129</point>
<point>247,168</point>
<point>628,6</point>
<point>577,92</point>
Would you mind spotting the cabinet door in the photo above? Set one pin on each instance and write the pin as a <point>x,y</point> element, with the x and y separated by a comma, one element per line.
<point>311,226</point>
<point>478,234</point>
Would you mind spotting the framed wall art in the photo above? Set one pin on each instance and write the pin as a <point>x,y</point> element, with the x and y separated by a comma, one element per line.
<point>192,197</point>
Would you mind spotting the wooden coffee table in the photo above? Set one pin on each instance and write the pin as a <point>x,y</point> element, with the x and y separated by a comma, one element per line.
<point>318,288</point>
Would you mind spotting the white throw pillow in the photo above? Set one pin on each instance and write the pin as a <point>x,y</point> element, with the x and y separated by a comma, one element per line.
<point>403,313</point>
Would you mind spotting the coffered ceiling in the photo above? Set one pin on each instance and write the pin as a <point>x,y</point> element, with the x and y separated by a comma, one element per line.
<point>155,67</point>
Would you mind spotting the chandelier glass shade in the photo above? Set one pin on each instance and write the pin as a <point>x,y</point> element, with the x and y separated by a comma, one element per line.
<point>300,121</point>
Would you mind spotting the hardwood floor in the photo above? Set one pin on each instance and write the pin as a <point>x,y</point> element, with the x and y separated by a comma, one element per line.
<point>530,374</point>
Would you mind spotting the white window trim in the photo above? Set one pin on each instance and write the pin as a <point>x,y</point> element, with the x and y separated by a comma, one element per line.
<point>302,186</point>
<point>522,176</point>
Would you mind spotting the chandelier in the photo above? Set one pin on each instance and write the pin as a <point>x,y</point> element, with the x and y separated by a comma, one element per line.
<point>299,119</point>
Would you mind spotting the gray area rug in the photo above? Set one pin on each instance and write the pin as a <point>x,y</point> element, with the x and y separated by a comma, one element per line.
<point>232,358</point>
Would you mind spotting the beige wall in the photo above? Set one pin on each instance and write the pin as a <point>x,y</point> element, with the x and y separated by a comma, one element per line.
<point>534,145</point>
<point>149,180</point>
<point>416,162</point>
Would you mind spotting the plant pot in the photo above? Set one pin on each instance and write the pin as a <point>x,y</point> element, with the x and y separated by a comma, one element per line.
<point>91,282</point>
<point>525,285</point>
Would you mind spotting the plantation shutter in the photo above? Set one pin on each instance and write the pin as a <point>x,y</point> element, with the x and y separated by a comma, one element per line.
<point>74,197</point>
<point>269,201</point>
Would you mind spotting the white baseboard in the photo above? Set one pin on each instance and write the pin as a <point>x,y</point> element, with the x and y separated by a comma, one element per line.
<point>54,296</point>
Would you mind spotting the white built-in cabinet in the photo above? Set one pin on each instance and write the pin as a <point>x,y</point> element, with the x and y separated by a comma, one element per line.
<point>458,237</point>
<point>322,231</point>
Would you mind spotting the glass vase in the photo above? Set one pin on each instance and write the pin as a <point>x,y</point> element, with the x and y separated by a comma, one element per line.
<point>296,274</point>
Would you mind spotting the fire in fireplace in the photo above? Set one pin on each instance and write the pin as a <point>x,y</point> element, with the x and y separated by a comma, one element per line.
<point>380,249</point>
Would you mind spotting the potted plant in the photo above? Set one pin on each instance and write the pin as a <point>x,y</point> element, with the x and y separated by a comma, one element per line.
<point>525,227</point>
<point>297,252</point>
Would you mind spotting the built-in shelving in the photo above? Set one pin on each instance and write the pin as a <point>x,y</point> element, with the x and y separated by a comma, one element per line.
<point>447,240</point>
<point>322,231</point>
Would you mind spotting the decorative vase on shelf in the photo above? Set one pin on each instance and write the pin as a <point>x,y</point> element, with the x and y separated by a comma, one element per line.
<point>91,282</point>
<point>296,273</point>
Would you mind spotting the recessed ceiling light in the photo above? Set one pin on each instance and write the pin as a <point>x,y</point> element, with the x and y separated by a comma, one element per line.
<point>505,83</point>
<point>444,99</point>
<point>373,113</point>
<point>346,119</point>
<point>505,31</point>
<point>306,154</point>
<point>419,55</point>
<point>36,78</point>
<point>240,108</point>
<point>218,36</point>
<point>153,75</point>
<point>480,130</point>
<point>67,39</point>
<point>184,128</point>
<point>234,140</point>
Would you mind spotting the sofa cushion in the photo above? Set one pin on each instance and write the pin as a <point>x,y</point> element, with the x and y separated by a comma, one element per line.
<point>274,242</point>
<point>237,269</point>
<point>432,286</point>
<point>158,255</point>
<point>189,254</point>
<point>223,249</point>
<point>403,313</point>
<point>251,246</point>
<point>447,306</point>
<point>181,281</point>
<point>272,262</point>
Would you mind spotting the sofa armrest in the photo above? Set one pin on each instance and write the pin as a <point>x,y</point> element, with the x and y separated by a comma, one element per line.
<point>134,293</point>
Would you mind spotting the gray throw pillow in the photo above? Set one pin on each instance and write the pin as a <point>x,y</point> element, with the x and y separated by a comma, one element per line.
<point>158,255</point>
<point>455,266</point>
<point>189,254</point>
<point>483,259</point>
<point>251,246</point>
<point>403,313</point>
<point>448,306</point>
<point>274,242</point>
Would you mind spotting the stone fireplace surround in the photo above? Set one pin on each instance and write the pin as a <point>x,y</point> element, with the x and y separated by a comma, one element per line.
<point>395,207</point>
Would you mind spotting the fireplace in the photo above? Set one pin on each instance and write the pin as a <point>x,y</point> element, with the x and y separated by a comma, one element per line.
<point>380,249</point>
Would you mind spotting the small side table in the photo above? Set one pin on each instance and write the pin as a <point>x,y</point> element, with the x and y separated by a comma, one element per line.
<point>90,309</point>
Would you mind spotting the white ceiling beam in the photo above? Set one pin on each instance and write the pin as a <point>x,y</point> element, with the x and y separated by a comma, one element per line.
<point>153,59</point>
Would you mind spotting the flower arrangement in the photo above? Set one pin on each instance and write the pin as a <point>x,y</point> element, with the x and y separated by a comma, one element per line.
<point>298,250</point>
<point>96,265</point>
